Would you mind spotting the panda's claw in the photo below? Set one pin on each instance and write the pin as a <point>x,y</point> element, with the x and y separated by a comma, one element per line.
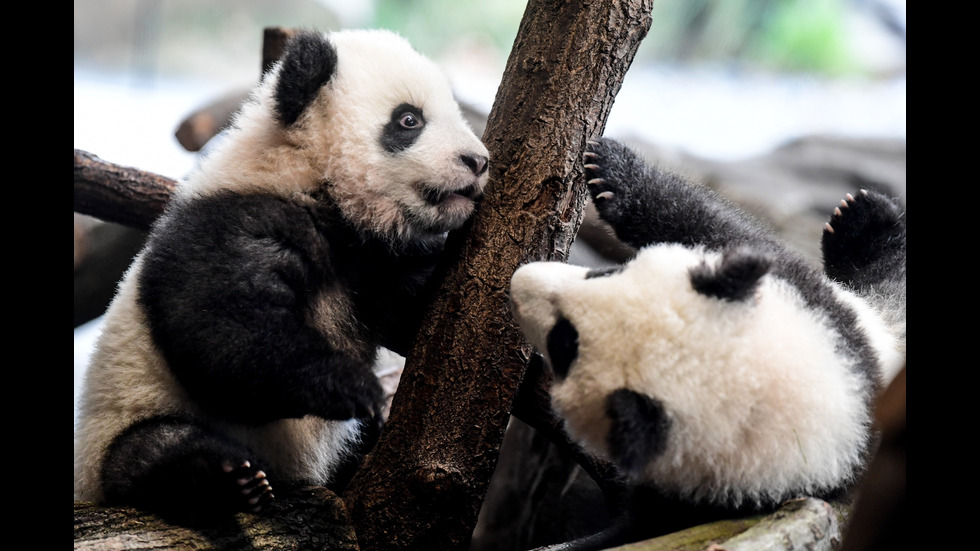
<point>252,485</point>
<point>228,466</point>
<point>605,195</point>
<point>860,230</point>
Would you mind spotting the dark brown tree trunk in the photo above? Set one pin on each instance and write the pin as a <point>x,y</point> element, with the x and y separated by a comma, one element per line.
<point>423,485</point>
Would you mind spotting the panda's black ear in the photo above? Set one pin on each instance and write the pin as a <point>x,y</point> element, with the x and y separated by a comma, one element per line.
<point>734,278</point>
<point>307,64</point>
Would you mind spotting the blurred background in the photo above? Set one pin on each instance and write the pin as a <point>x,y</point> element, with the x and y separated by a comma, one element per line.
<point>724,79</point>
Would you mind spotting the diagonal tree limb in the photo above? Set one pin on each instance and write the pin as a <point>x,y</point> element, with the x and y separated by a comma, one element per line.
<point>423,485</point>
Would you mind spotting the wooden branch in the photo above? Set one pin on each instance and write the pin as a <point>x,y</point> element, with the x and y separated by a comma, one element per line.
<point>310,518</point>
<point>195,131</point>
<point>199,127</point>
<point>423,485</point>
<point>119,194</point>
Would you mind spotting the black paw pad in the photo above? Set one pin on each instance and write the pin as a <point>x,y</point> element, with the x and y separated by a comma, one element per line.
<point>863,228</point>
<point>611,172</point>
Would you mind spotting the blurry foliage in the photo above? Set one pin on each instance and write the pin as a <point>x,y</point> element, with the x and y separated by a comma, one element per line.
<point>438,27</point>
<point>805,34</point>
<point>777,35</point>
<point>221,39</point>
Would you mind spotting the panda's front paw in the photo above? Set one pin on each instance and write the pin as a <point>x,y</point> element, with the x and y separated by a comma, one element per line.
<point>250,487</point>
<point>863,228</point>
<point>611,171</point>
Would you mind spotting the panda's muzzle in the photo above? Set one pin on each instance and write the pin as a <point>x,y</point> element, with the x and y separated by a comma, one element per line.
<point>436,197</point>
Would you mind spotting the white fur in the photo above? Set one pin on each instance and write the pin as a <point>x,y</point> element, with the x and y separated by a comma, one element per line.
<point>759,401</point>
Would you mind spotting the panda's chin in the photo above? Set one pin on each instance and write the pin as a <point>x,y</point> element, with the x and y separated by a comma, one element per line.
<point>444,210</point>
<point>448,215</point>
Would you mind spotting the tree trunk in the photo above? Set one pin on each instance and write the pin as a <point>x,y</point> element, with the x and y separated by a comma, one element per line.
<point>423,485</point>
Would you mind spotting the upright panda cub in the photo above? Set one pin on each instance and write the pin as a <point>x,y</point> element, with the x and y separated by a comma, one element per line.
<point>718,370</point>
<point>237,354</point>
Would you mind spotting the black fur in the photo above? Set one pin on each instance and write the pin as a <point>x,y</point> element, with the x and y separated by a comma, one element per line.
<point>562,347</point>
<point>735,278</point>
<point>866,249</point>
<point>639,430</point>
<point>403,129</point>
<point>239,339</point>
<point>307,64</point>
<point>184,471</point>
<point>603,272</point>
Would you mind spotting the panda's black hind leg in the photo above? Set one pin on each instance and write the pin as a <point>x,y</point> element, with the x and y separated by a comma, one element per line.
<point>183,471</point>
<point>865,234</point>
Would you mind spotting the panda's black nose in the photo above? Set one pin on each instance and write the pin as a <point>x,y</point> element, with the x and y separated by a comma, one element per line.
<point>476,163</point>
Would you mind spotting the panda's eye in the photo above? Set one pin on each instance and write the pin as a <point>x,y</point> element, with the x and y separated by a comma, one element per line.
<point>405,124</point>
<point>562,342</point>
<point>409,121</point>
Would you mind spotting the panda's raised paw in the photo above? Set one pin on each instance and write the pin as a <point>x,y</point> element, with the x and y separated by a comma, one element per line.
<point>860,229</point>
<point>253,486</point>
<point>611,169</point>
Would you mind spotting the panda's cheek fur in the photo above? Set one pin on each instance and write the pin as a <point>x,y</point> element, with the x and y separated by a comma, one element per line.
<point>582,407</point>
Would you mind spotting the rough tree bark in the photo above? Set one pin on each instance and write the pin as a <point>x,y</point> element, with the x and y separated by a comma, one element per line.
<point>423,485</point>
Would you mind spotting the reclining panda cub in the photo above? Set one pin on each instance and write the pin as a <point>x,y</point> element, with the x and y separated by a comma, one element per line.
<point>717,369</point>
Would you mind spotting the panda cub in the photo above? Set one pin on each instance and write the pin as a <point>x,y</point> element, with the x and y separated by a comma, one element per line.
<point>717,369</point>
<point>237,354</point>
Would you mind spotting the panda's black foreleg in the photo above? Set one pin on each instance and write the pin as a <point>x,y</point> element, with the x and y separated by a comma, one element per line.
<point>183,471</point>
<point>863,243</point>
<point>646,204</point>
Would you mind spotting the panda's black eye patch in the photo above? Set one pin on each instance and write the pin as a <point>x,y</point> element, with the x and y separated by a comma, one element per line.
<point>404,126</point>
<point>562,347</point>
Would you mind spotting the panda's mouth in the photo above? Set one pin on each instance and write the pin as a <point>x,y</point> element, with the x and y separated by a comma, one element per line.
<point>436,197</point>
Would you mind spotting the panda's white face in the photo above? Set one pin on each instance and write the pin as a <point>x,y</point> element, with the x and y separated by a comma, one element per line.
<point>725,399</point>
<point>383,132</point>
<point>391,139</point>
